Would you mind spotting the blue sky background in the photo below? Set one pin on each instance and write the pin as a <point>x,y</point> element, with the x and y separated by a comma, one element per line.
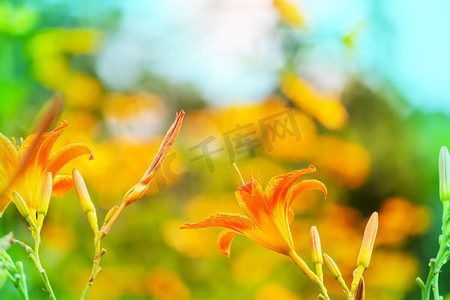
<point>231,50</point>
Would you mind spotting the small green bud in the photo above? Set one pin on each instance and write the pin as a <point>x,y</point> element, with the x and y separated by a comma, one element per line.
<point>444,174</point>
<point>23,209</point>
<point>110,214</point>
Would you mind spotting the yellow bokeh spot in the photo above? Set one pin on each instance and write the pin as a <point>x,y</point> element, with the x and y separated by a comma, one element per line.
<point>166,284</point>
<point>253,264</point>
<point>81,41</point>
<point>346,163</point>
<point>191,243</point>
<point>289,12</point>
<point>82,90</point>
<point>52,71</point>
<point>401,219</point>
<point>47,43</point>
<point>391,271</point>
<point>272,291</point>
<point>58,236</point>
<point>327,109</point>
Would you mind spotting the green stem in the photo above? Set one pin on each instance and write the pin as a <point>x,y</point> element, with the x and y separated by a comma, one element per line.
<point>319,272</point>
<point>15,274</point>
<point>356,278</point>
<point>435,267</point>
<point>38,264</point>
<point>96,268</point>
<point>310,274</point>
<point>34,256</point>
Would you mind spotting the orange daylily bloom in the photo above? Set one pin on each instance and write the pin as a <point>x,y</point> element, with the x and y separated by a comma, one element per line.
<point>41,160</point>
<point>267,213</point>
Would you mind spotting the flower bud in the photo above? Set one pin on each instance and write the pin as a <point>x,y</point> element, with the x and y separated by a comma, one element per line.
<point>44,201</point>
<point>332,266</point>
<point>110,214</point>
<point>22,207</point>
<point>444,174</point>
<point>370,233</point>
<point>85,200</point>
<point>316,251</point>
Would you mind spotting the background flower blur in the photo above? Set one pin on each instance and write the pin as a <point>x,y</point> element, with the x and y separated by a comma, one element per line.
<point>360,89</point>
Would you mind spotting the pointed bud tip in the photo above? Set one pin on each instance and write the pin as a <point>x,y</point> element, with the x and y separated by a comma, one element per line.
<point>316,249</point>
<point>368,242</point>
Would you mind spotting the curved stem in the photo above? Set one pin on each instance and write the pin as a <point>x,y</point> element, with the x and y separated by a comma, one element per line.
<point>436,264</point>
<point>15,274</point>
<point>96,268</point>
<point>310,274</point>
<point>34,256</point>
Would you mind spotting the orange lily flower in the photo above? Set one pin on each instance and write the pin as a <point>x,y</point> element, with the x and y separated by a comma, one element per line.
<point>267,213</point>
<point>267,217</point>
<point>42,160</point>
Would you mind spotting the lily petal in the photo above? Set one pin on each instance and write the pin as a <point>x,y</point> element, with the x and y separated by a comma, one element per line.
<point>306,185</point>
<point>9,161</point>
<point>278,187</point>
<point>291,216</point>
<point>66,154</point>
<point>240,224</point>
<point>4,202</point>
<point>235,222</point>
<point>45,143</point>
<point>61,185</point>
<point>252,200</point>
<point>224,240</point>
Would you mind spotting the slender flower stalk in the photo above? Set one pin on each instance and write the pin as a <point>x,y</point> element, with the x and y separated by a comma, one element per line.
<point>432,283</point>
<point>310,274</point>
<point>12,271</point>
<point>34,256</point>
<point>15,273</point>
<point>334,269</point>
<point>133,194</point>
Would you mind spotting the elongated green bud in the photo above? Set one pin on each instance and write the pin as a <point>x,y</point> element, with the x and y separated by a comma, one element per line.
<point>44,201</point>
<point>334,269</point>
<point>23,208</point>
<point>85,200</point>
<point>109,214</point>
<point>316,251</point>
<point>444,174</point>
